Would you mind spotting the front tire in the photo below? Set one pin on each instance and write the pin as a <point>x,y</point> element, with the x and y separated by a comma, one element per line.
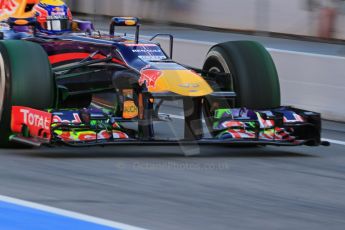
<point>26,79</point>
<point>252,72</point>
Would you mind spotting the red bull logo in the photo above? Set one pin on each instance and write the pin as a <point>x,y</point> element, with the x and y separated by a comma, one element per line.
<point>42,13</point>
<point>8,5</point>
<point>7,8</point>
<point>150,76</point>
<point>57,9</point>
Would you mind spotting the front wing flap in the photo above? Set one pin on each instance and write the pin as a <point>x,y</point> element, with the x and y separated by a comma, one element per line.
<point>285,126</point>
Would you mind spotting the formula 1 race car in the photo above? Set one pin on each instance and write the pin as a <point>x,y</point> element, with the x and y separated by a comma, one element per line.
<point>56,75</point>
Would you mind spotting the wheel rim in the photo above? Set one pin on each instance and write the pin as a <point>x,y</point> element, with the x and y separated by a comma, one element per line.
<point>222,68</point>
<point>225,69</point>
<point>222,62</point>
<point>2,84</point>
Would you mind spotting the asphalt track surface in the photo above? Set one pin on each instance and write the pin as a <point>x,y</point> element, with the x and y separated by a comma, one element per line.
<point>187,187</point>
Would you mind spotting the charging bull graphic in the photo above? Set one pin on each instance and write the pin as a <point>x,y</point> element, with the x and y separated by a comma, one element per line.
<point>7,8</point>
<point>15,7</point>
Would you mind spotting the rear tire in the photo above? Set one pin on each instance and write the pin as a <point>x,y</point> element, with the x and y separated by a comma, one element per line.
<point>253,74</point>
<point>26,79</point>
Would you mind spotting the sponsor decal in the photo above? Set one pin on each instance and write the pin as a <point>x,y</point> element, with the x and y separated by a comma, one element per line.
<point>57,16</point>
<point>58,9</point>
<point>147,52</point>
<point>33,119</point>
<point>58,13</point>
<point>150,77</point>
<point>76,120</point>
<point>189,85</point>
<point>7,5</point>
<point>38,122</point>
<point>7,8</point>
<point>152,58</point>
<point>130,110</point>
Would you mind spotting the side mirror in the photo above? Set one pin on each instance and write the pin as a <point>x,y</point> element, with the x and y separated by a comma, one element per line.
<point>125,21</point>
<point>21,21</point>
<point>82,26</point>
<point>22,24</point>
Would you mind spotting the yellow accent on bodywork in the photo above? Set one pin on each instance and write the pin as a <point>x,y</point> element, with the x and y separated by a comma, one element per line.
<point>20,10</point>
<point>130,110</point>
<point>21,22</point>
<point>53,2</point>
<point>130,22</point>
<point>182,82</point>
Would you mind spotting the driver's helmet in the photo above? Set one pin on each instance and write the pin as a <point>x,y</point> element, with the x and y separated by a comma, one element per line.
<point>53,17</point>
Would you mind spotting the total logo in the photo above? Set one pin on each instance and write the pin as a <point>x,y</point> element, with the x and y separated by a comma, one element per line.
<point>35,119</point>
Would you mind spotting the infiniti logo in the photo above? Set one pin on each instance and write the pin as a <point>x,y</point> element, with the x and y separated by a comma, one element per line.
<point>189,85</point>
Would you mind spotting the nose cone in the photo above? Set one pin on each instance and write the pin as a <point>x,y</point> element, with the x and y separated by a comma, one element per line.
<point>182,82</point>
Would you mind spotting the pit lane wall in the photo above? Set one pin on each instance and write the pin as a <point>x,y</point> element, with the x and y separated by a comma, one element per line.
<point>298,17</point>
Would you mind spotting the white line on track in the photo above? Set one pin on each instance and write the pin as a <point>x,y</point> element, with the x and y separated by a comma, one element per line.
<point>176,116</point>
<point>206,43</point>
<point>323,139</point>
<point>334,141</point>
<point>70,214</point>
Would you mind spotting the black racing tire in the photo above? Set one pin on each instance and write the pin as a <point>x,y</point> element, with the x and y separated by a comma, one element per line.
<point>253,75</point>
<point>26,79</point>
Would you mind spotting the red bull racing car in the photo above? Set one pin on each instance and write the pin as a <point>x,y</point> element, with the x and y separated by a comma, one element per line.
<point>56,75</point>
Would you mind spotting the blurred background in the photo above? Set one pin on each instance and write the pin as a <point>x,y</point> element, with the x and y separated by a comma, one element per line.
<point>315,18</point>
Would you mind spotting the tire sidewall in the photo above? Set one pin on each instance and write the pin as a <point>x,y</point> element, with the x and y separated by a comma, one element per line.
<point>6,105</point>
<point>253,75</point>
<point>27,80</point>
